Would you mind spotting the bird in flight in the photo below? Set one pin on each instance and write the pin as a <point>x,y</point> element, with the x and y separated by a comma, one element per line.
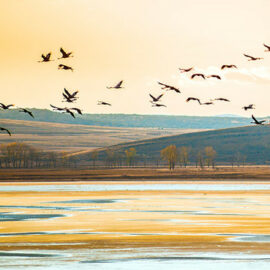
<point>193,98</point>
<point>26,111</point>
<point>169,87</point>
<point>183,70</point>
<point>69,97</point>
<point>155,99</point>
<point>46,58</point>
<point>57,108</point>
<point>118,86</point>
<point>267,47</point>
<point>79,111</point>
<point>6,107</point>
<point>70,112</point>
<point>4,129</point>
<point>207,103</point>
<point>104,103</point>
<point>61,66</point>
<point>257,122</point>
<point>214,76</point>
<point>65,54</point>
<point>222,99</point>
<point>197,75</point>
<point>251,58</point>
<point>249,107</point>
<point>158,105</point>
<point>228,66</point>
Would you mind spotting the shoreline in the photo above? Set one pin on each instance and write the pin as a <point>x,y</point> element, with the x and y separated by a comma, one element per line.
<point>135,174</point>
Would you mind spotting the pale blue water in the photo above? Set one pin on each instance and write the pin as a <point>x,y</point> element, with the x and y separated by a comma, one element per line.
<point>139,187</point>
<point>131,259</point>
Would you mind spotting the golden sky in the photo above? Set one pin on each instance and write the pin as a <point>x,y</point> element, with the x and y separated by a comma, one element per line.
<point>140,42</point>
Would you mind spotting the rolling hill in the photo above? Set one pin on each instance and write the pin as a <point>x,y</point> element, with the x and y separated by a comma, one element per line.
<point>74,137</point>
<point>130,120</point>
<point>252,142</point>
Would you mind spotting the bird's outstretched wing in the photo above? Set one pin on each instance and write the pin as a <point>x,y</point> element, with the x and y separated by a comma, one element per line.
<point>66,91</point>
<point>119,84</point>
<point>4,129</point>
<point>62,51</point>
<point>160,96</point>
<point>266,46</point>
<point>246,55</point>
<point>253,117</point>
<point>152,97</point>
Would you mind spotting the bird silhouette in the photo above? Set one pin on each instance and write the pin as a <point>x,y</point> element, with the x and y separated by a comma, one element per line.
<point>6,107</point>
<point>68,99</point>
<point>26,111</point>
<point>193,98</point>
<point>222,99</point>
<point>79,111</point>
<point>228,66</point>
<point>267,47</point>
<point>61,66</point>
<point>169,87</point>
<point>73,95</point>
<point>4,129</point>
<point>117,86</point>
<point>65,54</point>
<point>214,76</point>
<point>207,103</point>
<point>158,105</point>
<point>257,122</point>
<point>251,58</point>
<point>249,107</point>
<point>55,108</point>
<point>197,75</point>
<point>183,70</point>
<point>46,58</point>
<point>104,103</point>
<point>156,99</point>
<point>70,112</point>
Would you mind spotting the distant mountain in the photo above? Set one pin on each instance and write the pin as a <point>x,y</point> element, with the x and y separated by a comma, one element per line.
<point>229,115</point>
<point>249,143</point>
<point>131,120</point>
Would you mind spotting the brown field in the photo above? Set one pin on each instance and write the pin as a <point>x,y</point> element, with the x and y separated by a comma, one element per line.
<point>121,174</point>
<point>70,137</point>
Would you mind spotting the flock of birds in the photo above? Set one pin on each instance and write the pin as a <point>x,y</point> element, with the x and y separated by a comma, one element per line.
<point>71,97</point>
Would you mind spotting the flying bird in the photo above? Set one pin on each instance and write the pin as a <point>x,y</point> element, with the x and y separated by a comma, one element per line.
<point>158,105</point>
<point>73,95</point>
<point>183,70</point>
<point>169,87</point>
<point>251,58</point>
<point>65,54</point>
<point>61,66</point>
<point>222,99</point>
<point>70,112</point>
<point>79,111</point>
<point>249,107</point>
<point>118,86</point>
<point>197,75</point>
<point>193,98</point>
<point>214,76</point>
<point>46,58</point>
<point>156,99</point>
<point>257,122</point>
<point>55,108</point>
<point>104,103</point>
<point>26,111</point>
<point>228,66</point>
<point>6,107</point>
<point>4,129</point>
<point>68,99</point>
<point>207,103</point>
<point>267,47</point>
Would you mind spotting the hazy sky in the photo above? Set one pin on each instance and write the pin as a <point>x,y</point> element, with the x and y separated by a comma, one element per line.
<point>141,42</point>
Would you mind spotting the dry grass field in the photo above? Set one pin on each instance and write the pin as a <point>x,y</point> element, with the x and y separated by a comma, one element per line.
<point>136,174</point>
<point>70,137</point>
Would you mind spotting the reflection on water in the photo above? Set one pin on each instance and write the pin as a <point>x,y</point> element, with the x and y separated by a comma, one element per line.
<point>81,217</point>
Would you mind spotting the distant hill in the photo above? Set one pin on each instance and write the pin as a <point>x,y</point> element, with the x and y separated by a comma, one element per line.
<point>252,142</point>
<point>74,137</point>
<point>131,120</point>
